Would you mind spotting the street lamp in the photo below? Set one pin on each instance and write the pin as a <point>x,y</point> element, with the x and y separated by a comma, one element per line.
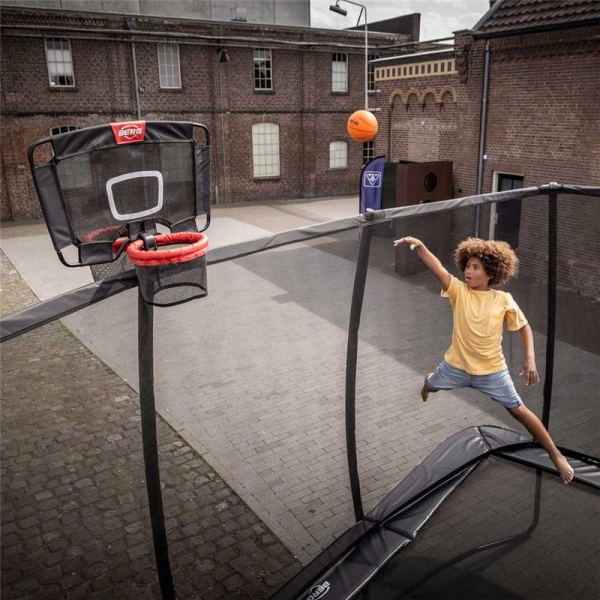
<point>340,11</point>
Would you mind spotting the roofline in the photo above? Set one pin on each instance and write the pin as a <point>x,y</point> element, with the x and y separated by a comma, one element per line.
<point>58,11</point>
<point>401,56</point>
<point>488,14</point>
<point>539,29</point>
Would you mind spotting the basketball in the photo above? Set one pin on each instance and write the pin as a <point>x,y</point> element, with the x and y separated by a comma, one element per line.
<point>362,126</point>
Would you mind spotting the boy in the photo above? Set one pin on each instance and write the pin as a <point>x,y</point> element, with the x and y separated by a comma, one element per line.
<point>475,357</point>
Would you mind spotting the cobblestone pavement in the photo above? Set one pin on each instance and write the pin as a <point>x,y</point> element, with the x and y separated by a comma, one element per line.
<point>252,377</point>
<point>75,522</point>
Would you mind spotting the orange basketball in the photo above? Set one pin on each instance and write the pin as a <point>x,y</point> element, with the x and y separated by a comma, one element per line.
<point>362,126</point>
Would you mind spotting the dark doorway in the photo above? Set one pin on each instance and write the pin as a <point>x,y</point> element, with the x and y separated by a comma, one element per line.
<point>508,214</point>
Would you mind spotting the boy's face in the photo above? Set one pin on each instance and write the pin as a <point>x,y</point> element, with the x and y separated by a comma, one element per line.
<point>475,275</point>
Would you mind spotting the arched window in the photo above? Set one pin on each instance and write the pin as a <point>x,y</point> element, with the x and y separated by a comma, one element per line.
<point>265,149</point>
<point>338,155</point>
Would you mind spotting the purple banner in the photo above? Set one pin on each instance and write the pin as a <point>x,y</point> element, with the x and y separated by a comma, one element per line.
<point>371,182</point>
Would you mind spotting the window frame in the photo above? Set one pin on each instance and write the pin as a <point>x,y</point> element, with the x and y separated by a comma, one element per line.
<point>334,61</point>
<point>256,154</point>
<point>369,155</point>
<point>160,45</point>
<point>269,69</point>
<point>371,86</point>
<point>48,62</point>
<point>332,158</point>
<point>57,130</point>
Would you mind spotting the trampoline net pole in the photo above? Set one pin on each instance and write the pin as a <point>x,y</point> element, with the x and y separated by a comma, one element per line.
<point>149,442</point>
<point>358,294</point>
<point>551,328</point>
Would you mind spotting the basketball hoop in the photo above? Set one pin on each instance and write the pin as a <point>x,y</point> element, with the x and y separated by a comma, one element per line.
<point>175,271</point>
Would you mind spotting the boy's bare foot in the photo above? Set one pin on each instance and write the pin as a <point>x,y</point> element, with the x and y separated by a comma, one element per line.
<point>426,390</point>
<point>565,470</point>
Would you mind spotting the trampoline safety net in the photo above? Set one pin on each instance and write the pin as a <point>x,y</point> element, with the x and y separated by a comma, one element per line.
<point>254,375</point>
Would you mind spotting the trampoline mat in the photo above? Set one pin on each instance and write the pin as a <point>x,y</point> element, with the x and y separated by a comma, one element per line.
<point>559,560</point>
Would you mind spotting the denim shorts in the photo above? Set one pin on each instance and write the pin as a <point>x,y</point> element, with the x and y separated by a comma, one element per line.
<point>498,386</point>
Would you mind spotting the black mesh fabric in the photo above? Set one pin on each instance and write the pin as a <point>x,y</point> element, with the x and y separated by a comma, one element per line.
<point>83,180</point>
<point>172,284</point>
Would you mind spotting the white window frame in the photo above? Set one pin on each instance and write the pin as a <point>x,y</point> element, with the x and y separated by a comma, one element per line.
<point>339,73</point>
<point>266,160</point>
<point>169,77</point>
<point>495,183</point>
<point>338,154</point>
<point>260,55</point>
<point>368,151</point>
<point>371,86</point>
<point>64,64</point>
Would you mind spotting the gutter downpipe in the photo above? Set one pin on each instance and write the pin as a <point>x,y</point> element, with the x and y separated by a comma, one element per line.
<point>482,132</point>
<point>138,106</point>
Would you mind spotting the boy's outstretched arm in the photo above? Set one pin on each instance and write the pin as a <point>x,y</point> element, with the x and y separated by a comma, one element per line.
<point>431,260</point>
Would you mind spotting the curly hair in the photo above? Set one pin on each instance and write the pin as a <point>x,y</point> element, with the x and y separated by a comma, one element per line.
<point>498,258</point>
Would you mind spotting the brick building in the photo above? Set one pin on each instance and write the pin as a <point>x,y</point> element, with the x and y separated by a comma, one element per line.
<point>541,122</point>
<point>275,98</point>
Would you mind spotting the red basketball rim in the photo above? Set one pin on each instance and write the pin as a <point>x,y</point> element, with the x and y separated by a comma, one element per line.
<point>198,246</point>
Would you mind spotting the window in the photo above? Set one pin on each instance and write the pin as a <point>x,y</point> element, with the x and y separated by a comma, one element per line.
<point>60,62</point>
<point>371,73</point>
<point>339,72</point>
<point>168,66</point>
<point>443,67</point>
<point>63,129</point>
<point>265,149</point>
<point>338,155</point>
<point>263,73</point>
<point>368,152</point>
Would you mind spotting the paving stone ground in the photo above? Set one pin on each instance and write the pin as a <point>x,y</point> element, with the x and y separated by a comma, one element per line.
<point>75,522</point>
<point>252,377</point>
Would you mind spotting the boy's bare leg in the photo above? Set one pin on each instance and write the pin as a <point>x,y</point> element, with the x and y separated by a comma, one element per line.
<point>426,390</point>
<point>540,433</point>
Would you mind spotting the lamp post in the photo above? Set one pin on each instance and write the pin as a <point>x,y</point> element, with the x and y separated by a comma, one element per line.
<point>340,11</point>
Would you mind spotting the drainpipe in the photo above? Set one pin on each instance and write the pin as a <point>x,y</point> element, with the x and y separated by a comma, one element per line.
<point>482,131</point>
<point>138,106</point>
<point>131,24</point>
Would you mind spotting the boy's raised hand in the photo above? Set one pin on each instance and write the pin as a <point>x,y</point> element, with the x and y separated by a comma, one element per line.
<point>414,242</point>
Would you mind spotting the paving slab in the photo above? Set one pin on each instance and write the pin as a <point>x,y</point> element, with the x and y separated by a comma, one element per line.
<point>252,377</point>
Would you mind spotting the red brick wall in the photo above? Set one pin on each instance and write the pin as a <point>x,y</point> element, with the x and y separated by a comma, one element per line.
<point>309,115</point>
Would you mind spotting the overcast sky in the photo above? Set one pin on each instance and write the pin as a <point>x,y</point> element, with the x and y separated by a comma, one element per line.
<point>439,18</point>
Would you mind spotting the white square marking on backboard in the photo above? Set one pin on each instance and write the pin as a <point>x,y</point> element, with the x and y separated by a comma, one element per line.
<point>135,175</point>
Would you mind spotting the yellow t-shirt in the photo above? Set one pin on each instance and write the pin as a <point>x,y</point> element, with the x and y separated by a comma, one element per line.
<point>477,334</point>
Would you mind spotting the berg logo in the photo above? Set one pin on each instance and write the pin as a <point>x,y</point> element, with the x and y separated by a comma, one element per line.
<point>126,133</point>
<point>372,179</point>
<point>318,591</point>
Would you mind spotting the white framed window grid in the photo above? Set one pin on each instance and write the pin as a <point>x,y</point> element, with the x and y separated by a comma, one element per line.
<point>263,69</point>
<point>265,150</point>
<point>60,62</point>
<point>338,155</point>
<point>63,129</point>
<point>368,151</point>
<point>339,72</point>
<point>168,66</point>
<point>371,73</point>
